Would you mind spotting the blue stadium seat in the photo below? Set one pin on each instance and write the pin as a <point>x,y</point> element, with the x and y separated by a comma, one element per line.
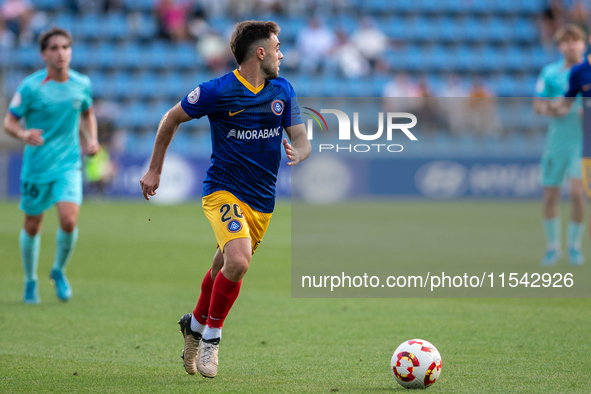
<point>28,56</point>
<point>122,84</point>
<point>184,56</point>
<point>65,21</point>
<point>376,6</point>
<point>48,5</point>
<point>143,26</point>
<point>175,87</point>
<point>531,6</point>
<point>133,116</point>
<point>513,58</point>
<point>80,55</point>
<point>128,55</point>
<point>525,30</point>
<point>97,79</point>
<point>101,55</point>
<point>115,26</point>
<point>141,5</point>
<point>394,27</point>
<point>450,29</point>
<point>540,57</point>
<point>13,79</point>
<point>506,6</point>
<point>144,85</point>
<point>498,30</point>
<point>158,54</point>
<point>472,30</point>
<point>88,27</point>
<point>507,86</point>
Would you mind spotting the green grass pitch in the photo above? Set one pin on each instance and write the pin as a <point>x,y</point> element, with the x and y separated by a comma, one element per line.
<point>137,268</point>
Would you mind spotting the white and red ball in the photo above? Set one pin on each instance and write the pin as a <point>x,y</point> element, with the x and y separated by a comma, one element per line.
<point>416,364</point>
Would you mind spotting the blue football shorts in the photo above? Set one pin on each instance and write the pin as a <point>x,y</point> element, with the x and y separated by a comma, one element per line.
<point>37,197</point>
<point>555,166</point>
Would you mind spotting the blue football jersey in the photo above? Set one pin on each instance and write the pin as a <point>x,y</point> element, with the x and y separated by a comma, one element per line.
<point>55,108</point>
<point>247,126</point>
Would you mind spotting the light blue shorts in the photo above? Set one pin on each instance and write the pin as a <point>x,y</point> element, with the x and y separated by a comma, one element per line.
<point>38,197</point>
<point>555,166</point>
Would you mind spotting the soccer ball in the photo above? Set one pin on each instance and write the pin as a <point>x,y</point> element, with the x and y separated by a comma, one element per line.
<point>416,364</point>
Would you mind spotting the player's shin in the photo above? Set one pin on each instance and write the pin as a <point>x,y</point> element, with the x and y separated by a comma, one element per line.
<point>552,230</point>
<point>223,295</point>
<point>200,313</point>
<point>575,234</point>
<point>30,254</point>
<point>65,243</point>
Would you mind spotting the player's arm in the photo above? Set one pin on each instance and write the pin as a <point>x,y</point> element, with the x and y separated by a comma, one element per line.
<point>30,136</point>
<point>562,106</point>
<point>542,98</point>
<point>88,131</point>
<point>542,106</point>
<point>300,146</point>
<point>168,126</point>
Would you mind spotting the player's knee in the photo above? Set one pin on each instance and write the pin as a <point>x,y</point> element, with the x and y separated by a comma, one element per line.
<point>236,267</point>
<point>577,193</point>
<point>68,224</point>
<point>32,228</point>
<point>551,197</point>
<point>32,225</point>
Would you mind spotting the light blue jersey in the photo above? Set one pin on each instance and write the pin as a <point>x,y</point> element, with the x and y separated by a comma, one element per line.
<point>565,134</point>
<point>55,108</point>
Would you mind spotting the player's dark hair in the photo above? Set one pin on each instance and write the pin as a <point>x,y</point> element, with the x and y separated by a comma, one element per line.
<point>247,34</point>
<point>570,32</point>
<point>54,31</point>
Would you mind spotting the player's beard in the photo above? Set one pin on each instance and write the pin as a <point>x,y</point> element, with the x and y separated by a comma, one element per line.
<point>269,69</point>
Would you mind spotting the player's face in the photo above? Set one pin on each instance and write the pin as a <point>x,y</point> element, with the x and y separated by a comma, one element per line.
<point>58,53</point>
<point>273,56</point>
<point>572,50</point>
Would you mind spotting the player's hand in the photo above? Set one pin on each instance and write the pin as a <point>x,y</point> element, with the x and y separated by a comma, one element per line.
<point>33,137</point>
<point>92,148</point>
<point>292,153</point>
<point>150,182</point>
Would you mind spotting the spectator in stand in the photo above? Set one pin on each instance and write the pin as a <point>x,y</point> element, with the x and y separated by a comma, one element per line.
<point>371,42</point>
<point>315,44</point>
<point>454,103</point>
<point>401,94</point>
<point>214,49</point>
<point>172,19</point>
<point>15,20</point>
<point>429,111</point>
<point>482,117</point>
<point>113,6</point>
<point>265,7</point>
<point>579,15</point>
<point>351,63</point>
<point>551,19</point>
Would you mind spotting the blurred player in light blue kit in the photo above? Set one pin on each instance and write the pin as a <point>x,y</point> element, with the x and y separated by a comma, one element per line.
<point>562,153</point>
<point>56,105</point>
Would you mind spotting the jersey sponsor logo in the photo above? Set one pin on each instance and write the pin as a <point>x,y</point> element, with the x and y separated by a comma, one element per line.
<point>234,226</point>
<point>16,100</point>
<point>254,134</point>
<point>277,107</point>
<point>193,97</point>
<point>234,113</point>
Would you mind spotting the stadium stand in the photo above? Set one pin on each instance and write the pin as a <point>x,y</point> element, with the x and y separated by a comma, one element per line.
<point>496,41</point>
